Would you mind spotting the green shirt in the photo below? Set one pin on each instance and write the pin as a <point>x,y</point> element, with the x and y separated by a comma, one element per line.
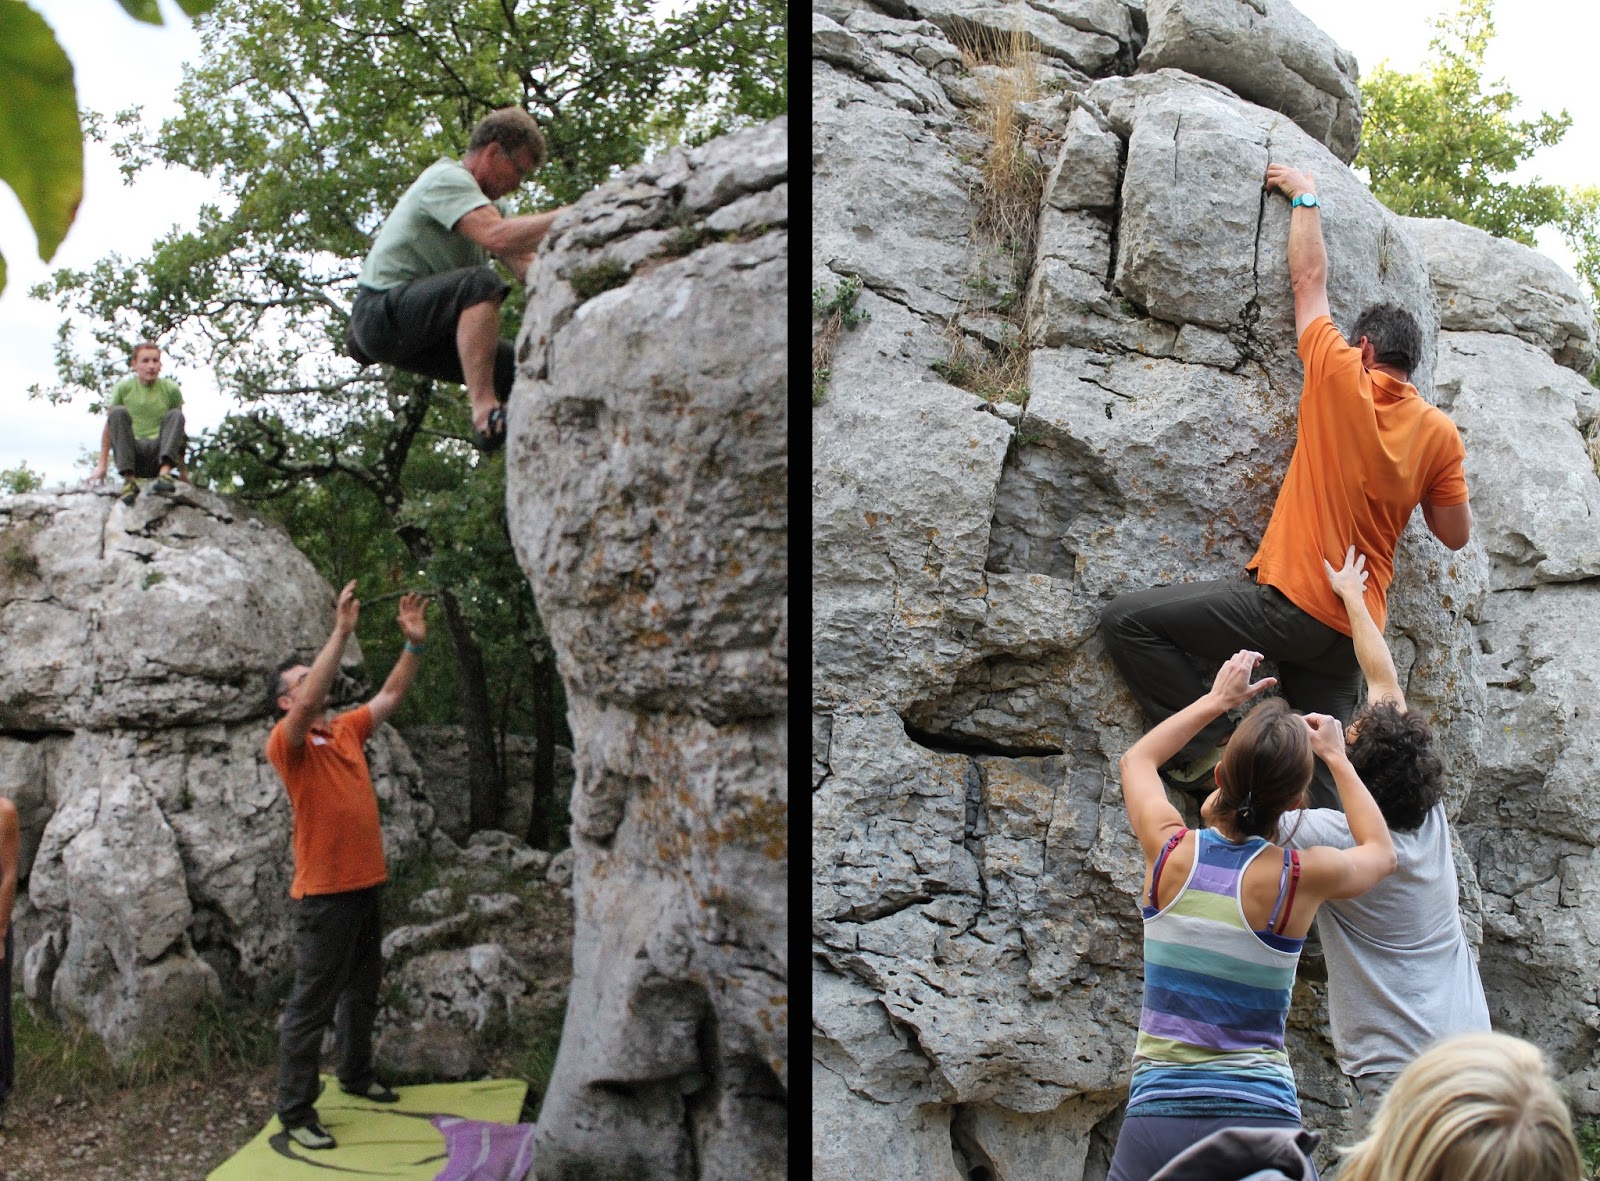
<point>418,239</point>
<point>147,404</point>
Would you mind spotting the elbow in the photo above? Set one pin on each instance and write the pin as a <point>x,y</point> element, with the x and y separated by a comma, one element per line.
<point>1310,279</point>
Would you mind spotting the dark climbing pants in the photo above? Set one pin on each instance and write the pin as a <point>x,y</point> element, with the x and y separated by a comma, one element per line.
<point>1147,1143</point>
<point>8,1049</point>
<point>412,326</point>
<point>338,962</point>
<point>1151,634</point>
<point>144,457</point>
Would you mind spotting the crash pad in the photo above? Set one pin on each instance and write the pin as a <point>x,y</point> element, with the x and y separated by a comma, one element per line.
<point>444,1131</point>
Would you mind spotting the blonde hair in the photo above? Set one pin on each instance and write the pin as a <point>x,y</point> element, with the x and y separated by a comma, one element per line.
<point>1478,1107</point>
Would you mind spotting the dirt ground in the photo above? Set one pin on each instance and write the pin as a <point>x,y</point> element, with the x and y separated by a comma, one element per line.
<point>173,1131</point>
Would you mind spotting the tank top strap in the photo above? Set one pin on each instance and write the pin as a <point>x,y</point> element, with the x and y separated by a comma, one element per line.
<point>1166,850</point>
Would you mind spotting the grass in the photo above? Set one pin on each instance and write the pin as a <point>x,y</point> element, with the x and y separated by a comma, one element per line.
<point>69,1059</point>
<point>524,1046</point>
<point>1008,190</point>
<point>17,559</point>
<point>1588,1133</point>
<point>837,310</point>
<point>601,275</point>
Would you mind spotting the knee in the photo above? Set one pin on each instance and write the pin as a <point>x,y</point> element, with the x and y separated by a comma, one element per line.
<point>118,414</point>
<point>1114,615</point>
<point>173,417</point>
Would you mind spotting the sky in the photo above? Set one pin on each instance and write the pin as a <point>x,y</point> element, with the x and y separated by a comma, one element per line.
<point>1542,48</point>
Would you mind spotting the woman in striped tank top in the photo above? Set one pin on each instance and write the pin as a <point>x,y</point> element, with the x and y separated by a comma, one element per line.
<point>1225,916</point>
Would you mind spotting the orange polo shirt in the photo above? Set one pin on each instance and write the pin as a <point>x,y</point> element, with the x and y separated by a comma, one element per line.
<point>1369,450</point>
<point>338,845</point>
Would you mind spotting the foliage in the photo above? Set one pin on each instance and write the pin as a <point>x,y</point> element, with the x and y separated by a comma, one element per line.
<point>1438,142</point>
<point>21,478</point>
<point>41,140</point>
<point>837,310</point>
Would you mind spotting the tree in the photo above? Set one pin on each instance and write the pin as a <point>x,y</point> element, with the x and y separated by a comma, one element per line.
<point>41,140</point>
<point>1443,143</point>
<point>314,116</point>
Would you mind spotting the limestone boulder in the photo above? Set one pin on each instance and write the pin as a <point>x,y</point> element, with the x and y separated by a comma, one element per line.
<point>440,1003</point>
<point>646,494</point>
<point>1268,53</point>
<point>1489,284</point>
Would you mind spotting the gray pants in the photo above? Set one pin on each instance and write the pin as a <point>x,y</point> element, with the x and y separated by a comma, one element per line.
<point>338,963</point>
<point>1150,636</point>
<point>144,457</point>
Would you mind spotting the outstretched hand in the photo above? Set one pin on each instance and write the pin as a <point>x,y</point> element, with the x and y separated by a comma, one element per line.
<point>1350,580</point>
<point>347,610</point>
<point>1291,182</point>
<point>412,624</point>
<point>1233,685</point>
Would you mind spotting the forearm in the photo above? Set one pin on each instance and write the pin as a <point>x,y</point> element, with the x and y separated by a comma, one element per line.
<point>105,444</point>
<point>318,682</point>
<point>8,893</point>
<point>1308,254</point>
<point>1173,734</point>
<point>1372,652</point>
<point>401,675</point>
<point>522,234</point>
<point>1361,811</point>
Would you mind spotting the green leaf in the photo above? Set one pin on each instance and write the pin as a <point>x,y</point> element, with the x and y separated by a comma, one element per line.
<point>41,143</point>
<point>196,7</point>
<point>145,10</point>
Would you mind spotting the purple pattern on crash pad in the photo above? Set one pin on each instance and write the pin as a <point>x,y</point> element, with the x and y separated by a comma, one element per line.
<point>479,1151</point>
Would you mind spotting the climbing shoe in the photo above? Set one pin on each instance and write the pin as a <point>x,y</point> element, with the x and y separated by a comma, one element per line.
<point>312,1135</point>
<point>374,1091</point>
<point>1197,778</point>
<point>130,491</point>
<point>163,484</point>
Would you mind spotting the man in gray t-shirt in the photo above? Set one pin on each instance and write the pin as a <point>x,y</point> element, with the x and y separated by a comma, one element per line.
<point>1400,972</point>
<point>428,301</point>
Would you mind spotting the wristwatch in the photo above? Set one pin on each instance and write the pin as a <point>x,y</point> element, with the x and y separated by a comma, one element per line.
<point>1309,200</point>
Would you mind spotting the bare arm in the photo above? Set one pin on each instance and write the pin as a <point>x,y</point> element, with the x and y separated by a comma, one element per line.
<point>507,238</point>
<point>1346,873</point>
<point>311,696</point>
<point>10,854</point>
<point>1150,812</point>
<point>1372,653</point>
<point>415,629</point>
<point>1450,523</point>
<point>1308,254</point>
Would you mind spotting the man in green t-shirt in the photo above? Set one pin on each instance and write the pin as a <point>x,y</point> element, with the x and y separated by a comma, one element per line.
<point>144,427</point>
<point>428,301</point>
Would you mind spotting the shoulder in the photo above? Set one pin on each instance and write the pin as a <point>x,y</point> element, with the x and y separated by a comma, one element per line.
<point>120,390</point>
<point>1310,827</point>
<point>279,751</point>
<point>1322,344</point>
<point>357,721</point>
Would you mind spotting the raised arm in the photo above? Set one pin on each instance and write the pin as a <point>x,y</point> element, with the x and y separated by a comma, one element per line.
<point>310,697</point>
<point>1308,254</point>
<point>1346,873</point>
<point>1150,812</point>
<point>1372,653</point>
<point>415,629</point>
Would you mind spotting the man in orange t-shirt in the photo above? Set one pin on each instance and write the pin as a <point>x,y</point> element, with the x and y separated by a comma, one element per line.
<point>339,868</point>
<point>1369,450</point>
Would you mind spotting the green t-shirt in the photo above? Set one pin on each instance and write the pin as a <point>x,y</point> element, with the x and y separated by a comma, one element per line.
<point>418,238</point>
<point>147,404</point>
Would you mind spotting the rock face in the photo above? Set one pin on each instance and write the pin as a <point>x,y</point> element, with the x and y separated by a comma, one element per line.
<point>646,490</point>
<point>133,712</point>
<point>441,754</point>
<point>976,940</point>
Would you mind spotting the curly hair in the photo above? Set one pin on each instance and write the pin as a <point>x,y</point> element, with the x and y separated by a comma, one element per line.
<point>1398,759</point>
<point>1265,768</point>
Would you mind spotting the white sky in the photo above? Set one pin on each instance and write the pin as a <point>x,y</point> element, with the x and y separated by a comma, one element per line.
<point>1542,48</point>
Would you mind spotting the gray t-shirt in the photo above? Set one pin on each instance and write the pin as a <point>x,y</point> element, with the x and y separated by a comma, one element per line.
<point>1400,972</point>
<point>418,238</point>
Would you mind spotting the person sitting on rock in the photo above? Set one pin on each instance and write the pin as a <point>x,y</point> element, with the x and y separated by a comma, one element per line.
<point>1368,451</point>
<point>427,300</point>
<point>144,427</point>
<point>1401,974</point>
<point>339,869</point>
<point>1226,916</point>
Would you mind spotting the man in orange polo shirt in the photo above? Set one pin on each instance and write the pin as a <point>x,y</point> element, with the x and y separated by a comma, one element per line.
<point>339,869</point>
<point>1369,450</point>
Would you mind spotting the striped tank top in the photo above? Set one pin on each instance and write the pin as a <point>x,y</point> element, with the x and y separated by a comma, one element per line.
<point>1216,996</point>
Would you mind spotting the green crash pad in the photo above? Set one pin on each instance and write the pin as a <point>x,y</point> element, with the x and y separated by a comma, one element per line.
<point>392,1140</point>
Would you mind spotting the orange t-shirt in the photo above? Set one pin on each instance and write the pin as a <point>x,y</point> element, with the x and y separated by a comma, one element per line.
<point>1369,450</point>
<point>338,845</point>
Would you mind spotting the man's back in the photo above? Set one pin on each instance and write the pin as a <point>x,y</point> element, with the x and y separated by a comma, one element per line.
<point>418,239</point>
<point>1400,972</point>
<point>1369,449</point>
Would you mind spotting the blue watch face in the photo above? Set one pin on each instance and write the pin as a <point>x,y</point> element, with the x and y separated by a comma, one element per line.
<point>1306,199</point>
